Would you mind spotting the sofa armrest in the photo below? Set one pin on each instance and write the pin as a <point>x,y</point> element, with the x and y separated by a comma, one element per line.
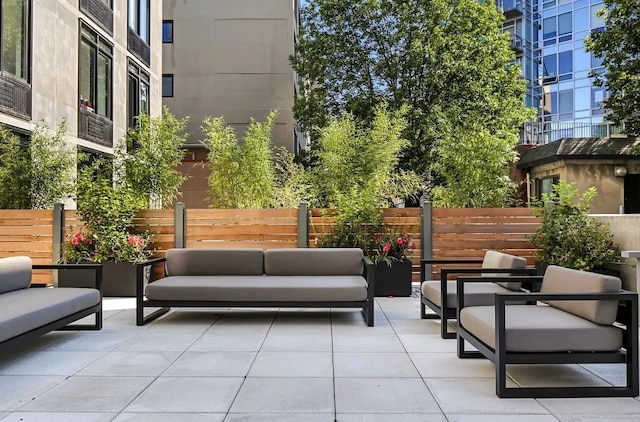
<point>96,267</point>
<point>140,268</point>
<point>446,261</point>
<point>369,273</point>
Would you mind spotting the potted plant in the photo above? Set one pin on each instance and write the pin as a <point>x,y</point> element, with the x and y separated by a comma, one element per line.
<point>567,235</point>
<point>393,268</point>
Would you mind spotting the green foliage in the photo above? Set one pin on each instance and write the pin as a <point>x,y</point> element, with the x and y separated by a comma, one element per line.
<point>15,168</point>
<point>567,236</point>
<point>446,60</point>
<point>290,182</point>
<point>618,46</point>
<point>53,164</point>
<point>38,174</point>
<point>151,154</point>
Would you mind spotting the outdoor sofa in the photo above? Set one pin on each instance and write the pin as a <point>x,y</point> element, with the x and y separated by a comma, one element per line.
<point>295,277</point>
<point>433,293</point>
<point>27,312</point>
<point>585,318</point>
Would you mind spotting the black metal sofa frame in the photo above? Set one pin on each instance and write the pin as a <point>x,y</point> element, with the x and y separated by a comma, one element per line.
<point>165,305</point>
<point>627,319</point>
<point>62,324</point>
<point>447,313</point>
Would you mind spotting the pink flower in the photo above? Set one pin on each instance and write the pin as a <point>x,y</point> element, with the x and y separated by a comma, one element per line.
<point>411,245</point>
<point>400,241</point>
<point>386,247</point>
<point>136,241</point>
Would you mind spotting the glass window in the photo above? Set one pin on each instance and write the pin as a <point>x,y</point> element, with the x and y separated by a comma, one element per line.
<point>550,65</point>
<point>139,17</point>
<point>14,27</point>
<point>581,19</point>
<point>582,59</point>
<point>564,23</point>
<point>545,185</point>
<point>138,93</point>
<point>581,96</point>
<point>565,101</point>
<point>95,72</point>
<point>167,31</point>
<point>167,85</point>
<point>596,61</point>
<point>549,28</point>
<point>596,22</point>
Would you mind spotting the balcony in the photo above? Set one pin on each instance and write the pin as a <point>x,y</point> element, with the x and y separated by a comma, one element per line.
<point>138,47</point>
<point>95,128</point>
<point>511,8</point>
<point>517,43</point>
<point>15,96</point>
<point>99,12</point>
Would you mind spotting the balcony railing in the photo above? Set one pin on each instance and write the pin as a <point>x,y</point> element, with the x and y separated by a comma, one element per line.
<point>544,132</point>
<point>517,43</point>
<point>99,12</point>
<point>138,47</point>
<point>15,96</point>
<point>95,128</point>
<point>511,8</point>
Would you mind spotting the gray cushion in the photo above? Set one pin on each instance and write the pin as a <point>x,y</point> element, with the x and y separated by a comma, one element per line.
<point>15,273</point>
<point>26,309</point>
<point>531,328</point>
<point>316,261</point>
<point>475,294</point>
<point>559,280</point>
<point>495,259</point>
<point>259,288</point>
<point>214,261</point>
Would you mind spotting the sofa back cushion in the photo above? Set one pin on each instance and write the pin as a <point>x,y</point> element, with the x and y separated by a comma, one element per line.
<point>561,280</point>
<point>15,273</point>
<point>495,259</point>
<point>214,262</point>
<point>316,261</point>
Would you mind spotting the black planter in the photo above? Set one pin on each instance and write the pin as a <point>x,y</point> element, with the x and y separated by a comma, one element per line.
<point>118,279</point>
<point>394,280</point>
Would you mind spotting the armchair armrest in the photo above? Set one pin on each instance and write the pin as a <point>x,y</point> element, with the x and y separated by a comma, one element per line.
<point>532,279</point>
<point>96,267</point>
<point>369,275</point>
<point>431,261</point>
<point>140,267</point>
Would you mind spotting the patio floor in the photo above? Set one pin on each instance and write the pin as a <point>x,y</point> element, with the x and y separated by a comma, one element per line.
<point>293,365</point>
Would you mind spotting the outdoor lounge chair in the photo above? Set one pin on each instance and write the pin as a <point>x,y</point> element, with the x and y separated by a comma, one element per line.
<point>433,293</point>
<point>586,319</point>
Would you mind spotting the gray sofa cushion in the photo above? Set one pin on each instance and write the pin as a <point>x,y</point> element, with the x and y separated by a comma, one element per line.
<point>495,259</point>
<point>259,288</point>
<point>214,262</point>
<point>316,261</point>
<point>475,294</point>
<point>540,328</point>
<point>15,273</point>
<point>26,309</point>
<point>559,279</point>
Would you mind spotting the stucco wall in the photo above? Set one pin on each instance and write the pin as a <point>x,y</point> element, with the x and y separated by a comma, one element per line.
<point>626,231</point>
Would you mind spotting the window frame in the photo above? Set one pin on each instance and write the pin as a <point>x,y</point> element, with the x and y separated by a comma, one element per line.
<point>168,75</point>
<point>97,45</point>
<point>168,40</point>
<point>137,6</point>
<point>139,75</point>
<point>555,179</point>
<point>28,41</point>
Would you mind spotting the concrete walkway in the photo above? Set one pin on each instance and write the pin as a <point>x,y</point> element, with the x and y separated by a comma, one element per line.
<point>292,365</point>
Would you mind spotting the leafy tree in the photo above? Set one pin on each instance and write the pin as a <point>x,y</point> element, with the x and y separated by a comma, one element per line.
<point>151,154</point>
<point>447,60</point>
<point>15,167</point>
<point>619,47</point>
<point>242,175</point>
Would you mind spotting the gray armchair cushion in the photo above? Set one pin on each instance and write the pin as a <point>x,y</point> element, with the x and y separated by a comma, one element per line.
<point>316,261</point>
<point>495,259</point>
<point>475,294</point>
<point>540,328</point>
<point>15,273</point>
<point>214,262</point>
<point>561,280</point>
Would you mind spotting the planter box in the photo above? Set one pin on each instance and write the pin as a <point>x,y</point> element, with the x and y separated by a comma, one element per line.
<point>118,279</point>
<point>394,280</point>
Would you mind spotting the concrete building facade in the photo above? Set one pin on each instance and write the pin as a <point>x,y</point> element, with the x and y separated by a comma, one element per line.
<point>95,63</point>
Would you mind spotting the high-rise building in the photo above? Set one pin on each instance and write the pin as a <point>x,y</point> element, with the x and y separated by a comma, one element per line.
<point>95,63</point>
<point>229,58</point>
<point>548,38</point>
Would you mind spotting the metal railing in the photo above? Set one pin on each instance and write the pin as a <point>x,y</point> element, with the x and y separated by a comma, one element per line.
<point>537,133</point>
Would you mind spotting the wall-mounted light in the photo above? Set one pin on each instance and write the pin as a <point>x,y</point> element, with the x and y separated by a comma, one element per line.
<point>620,171</point>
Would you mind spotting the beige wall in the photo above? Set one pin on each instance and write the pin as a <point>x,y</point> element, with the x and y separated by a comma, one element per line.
<point>54,62</point>
<point>230,58</point>
<point>587,173</point>
<point>626,231</point>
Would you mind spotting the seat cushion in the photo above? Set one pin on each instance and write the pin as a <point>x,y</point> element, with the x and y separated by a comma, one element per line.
<point>259,288</point>
<point>495,259</point>
<point>475,294</point>
<point>541,328</point>
<point>561,280</point>
<point>24,310</point>
<point>315,262</point>
<point>15,273</point>
<point>214,261</point>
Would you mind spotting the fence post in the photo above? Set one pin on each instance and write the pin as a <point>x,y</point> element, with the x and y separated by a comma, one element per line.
<point>58,231</point>
<point>180,226</point>
<point>426,251</point>
<point>303,225</point>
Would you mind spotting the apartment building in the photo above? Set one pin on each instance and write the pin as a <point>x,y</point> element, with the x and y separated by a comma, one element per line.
<point>228,58</point>
<point>548,38</point>
<point>96,63</point>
